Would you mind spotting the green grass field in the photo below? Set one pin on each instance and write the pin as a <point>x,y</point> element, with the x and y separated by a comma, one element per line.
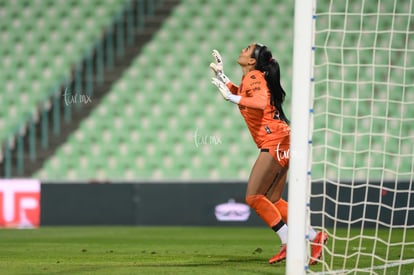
<point>144,250</point>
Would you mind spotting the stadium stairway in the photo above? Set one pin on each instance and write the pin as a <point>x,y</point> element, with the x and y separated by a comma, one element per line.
<point>51,128</point>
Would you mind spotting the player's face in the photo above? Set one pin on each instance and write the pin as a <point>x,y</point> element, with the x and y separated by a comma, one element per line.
<point>245,57</point>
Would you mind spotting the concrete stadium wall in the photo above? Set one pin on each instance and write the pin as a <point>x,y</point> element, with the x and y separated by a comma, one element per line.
<point>176,203</point>
<point>139,204</point>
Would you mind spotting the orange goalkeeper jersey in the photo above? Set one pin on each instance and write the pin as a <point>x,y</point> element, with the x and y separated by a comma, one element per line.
<point>261,117</point>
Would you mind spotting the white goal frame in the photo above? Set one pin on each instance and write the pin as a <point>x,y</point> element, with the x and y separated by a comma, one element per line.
<point>299,163</point>
<point>389,66</point>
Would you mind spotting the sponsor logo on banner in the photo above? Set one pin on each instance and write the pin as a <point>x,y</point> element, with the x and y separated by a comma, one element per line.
<point>19,203</point>
<point>232,211</point>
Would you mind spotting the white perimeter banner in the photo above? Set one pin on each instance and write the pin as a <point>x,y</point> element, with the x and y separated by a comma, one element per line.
<point>19,203</point>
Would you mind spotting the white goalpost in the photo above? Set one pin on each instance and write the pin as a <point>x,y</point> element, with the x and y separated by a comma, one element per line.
<point>300,131</point>
<point>352,141</point>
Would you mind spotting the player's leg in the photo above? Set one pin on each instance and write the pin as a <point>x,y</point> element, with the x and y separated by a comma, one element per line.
<point>264,173</point>
<point>280,154</point>
<point>262,177</point>
<point>274,194</point>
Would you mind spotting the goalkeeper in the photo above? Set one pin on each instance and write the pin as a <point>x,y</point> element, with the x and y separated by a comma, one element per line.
<point>260,97</point>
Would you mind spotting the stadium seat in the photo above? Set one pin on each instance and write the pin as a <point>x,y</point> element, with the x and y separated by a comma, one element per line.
<point>162,108</point>
<point>41,41</point>
<point>164,120</point>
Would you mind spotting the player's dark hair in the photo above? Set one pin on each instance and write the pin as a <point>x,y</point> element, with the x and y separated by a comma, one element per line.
<point>265,63</point>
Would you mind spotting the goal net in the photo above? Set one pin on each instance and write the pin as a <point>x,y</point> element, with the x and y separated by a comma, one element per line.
<point>361,156</point>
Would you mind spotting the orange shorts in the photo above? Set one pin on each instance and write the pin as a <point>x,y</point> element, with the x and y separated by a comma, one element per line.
<point>279,150</point>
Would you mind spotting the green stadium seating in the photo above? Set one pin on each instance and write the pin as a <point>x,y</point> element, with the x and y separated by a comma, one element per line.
<point>164,120</point>
<point>41,40</point>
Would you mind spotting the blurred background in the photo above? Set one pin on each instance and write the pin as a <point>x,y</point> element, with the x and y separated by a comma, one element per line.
<point>120,90</point>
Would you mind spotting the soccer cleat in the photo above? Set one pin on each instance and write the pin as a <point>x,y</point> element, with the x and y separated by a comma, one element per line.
<point>279,256</point>
<point>317,247</point>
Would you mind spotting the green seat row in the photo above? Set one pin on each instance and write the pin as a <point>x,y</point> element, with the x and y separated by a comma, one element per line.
<point>164,120</point>
<point>41,42</point>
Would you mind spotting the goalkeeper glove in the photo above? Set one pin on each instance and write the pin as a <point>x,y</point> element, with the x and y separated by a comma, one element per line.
<point>225,92</point>
<point>217,67</point>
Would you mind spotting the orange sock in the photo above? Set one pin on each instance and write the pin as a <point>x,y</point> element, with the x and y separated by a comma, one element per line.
<point>282,206</point>
<point>265,209</point>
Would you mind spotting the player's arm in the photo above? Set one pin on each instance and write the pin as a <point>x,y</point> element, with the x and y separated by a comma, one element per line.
<point>256,94</point>
<point>258,100</point>
<point>225,91</point>
<point>232,87</point>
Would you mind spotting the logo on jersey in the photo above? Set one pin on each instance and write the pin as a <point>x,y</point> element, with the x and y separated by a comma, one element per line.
<point>255,83</point>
